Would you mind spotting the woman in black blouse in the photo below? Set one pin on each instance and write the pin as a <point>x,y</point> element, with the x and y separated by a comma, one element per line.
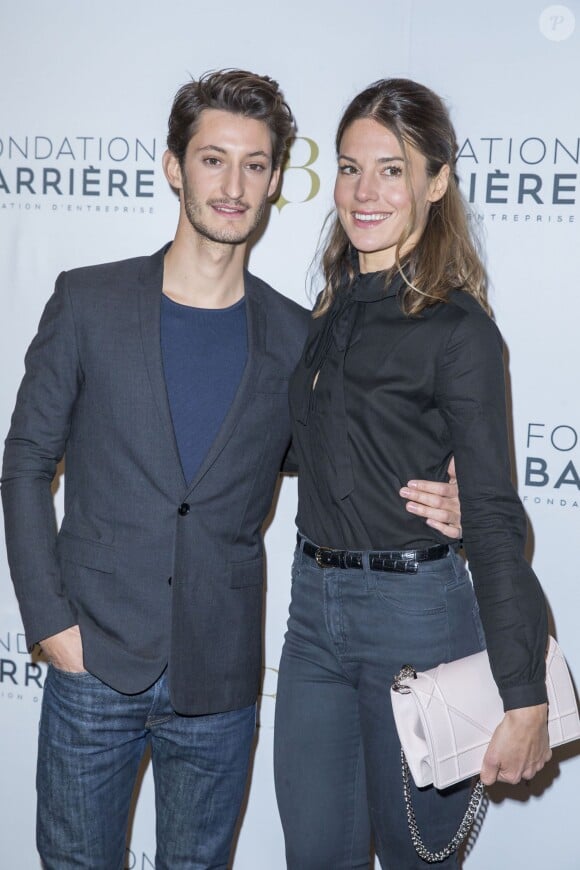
<point>402,368</point>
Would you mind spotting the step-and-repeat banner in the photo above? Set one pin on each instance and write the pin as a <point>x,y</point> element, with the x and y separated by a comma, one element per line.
<point>86,91</point>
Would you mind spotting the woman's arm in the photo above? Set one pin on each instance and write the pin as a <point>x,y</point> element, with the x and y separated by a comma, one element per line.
<point>471,397</point>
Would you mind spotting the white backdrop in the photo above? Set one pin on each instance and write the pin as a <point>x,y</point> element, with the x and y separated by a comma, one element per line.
<point>86,91</point>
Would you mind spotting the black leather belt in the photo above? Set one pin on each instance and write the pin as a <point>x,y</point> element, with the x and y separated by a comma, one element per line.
<point>398,561</point>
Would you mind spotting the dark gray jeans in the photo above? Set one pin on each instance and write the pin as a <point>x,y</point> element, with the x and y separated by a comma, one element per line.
<point>337,755</point>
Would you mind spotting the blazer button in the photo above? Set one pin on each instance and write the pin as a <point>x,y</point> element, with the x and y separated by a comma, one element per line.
<point>183,509</point>
<point>169,581</point>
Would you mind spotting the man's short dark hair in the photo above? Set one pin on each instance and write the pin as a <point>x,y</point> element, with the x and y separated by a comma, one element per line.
<point>231,90</point>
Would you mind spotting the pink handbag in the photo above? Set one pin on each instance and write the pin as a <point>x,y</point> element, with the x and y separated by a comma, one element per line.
<point>445,719</point>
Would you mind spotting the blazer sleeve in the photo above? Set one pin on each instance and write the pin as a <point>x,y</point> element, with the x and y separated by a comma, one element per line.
<point>34,446</point>
<point>471,397</point>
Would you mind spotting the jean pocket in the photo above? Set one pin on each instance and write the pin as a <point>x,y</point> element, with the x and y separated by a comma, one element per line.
<point>413,594</point>
<point>69,674</point>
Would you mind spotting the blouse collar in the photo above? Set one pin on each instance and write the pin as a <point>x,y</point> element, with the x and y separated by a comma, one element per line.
<point>373,286</point>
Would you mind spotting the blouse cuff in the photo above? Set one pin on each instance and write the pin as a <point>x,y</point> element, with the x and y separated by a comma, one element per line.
<point>529,695</point>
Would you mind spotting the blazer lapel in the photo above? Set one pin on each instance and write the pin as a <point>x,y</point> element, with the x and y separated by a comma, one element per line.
<point>256,325</point>
<point>151,279</point>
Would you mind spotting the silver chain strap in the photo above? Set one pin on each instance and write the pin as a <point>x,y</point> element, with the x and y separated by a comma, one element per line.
<point>462,830</point>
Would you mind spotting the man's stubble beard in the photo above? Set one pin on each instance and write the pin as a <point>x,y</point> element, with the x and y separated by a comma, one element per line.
<point>228,235</point>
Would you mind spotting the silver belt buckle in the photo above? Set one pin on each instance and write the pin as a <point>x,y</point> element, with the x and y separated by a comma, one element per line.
<point>318,555</point>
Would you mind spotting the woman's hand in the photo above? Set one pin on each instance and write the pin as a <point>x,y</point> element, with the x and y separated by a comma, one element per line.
<point>437,502</point>
<point>519,747</point>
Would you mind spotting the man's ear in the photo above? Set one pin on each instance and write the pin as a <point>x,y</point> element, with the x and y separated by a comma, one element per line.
<point>439,184</point>
<point>172,170</point>
<point>274,181</point>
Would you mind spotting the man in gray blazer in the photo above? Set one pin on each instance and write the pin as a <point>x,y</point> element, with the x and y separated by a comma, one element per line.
<point>163,382</point>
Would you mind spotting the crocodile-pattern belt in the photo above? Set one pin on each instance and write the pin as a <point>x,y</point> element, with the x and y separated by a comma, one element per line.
<point>398,561</point>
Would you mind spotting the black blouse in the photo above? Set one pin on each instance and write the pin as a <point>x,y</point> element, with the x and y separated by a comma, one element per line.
<point>395,397</point>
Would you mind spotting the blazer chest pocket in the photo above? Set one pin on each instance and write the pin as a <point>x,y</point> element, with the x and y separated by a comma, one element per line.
<point>88,554</point>
<point>246,573</point>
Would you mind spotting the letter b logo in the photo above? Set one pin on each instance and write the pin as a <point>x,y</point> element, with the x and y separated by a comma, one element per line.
<point>301,183</point>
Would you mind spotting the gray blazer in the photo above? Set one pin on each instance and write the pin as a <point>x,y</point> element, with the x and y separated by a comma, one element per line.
<point>155,571</point>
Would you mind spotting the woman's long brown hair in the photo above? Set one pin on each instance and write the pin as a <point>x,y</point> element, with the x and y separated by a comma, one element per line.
<point>446,256</point>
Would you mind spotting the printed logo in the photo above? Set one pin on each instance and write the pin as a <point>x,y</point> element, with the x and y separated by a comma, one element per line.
<point>138,861</point>
<point>78,173</point>
<point>21,676</point>
<point>301,183</point>
<point>552,465</point>
<point>528,180</point>
<point>557,23</point>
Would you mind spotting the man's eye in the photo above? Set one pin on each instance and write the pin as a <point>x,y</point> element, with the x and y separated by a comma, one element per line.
<point>212,161</point>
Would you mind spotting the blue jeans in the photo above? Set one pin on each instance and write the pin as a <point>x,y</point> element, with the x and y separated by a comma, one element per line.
<point>91,742</point>
<point>337,755</point>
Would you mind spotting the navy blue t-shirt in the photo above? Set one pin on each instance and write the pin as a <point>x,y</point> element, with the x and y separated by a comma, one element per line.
<point>204,353</point>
